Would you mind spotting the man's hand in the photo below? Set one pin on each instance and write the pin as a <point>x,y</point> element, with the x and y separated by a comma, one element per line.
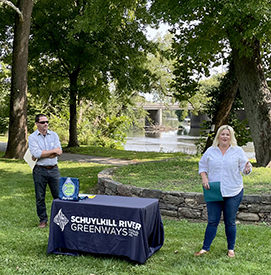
<point>58,151</point>
<point>33,158</point>
<point>51,153</point>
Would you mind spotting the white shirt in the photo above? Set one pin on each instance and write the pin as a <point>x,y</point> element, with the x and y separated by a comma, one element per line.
<point>225,168</point>
<point>37,143</point>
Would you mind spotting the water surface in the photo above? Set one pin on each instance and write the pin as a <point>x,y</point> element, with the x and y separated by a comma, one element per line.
<point>169,142</point>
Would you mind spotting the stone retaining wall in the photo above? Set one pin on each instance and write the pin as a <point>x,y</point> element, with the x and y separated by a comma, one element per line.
<point>180,205</point>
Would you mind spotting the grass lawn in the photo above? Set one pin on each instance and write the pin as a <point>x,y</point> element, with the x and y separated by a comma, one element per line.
<point>122,154</point>
<point>181,174</point>
<point>171,171</point>
<point>23,245</point>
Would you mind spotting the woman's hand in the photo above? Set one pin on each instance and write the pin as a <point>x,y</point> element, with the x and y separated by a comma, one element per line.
<point>205,181</point>
<point>247,168</point>
<point>205,184</point>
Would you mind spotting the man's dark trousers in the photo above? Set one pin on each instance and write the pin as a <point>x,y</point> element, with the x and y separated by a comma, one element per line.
<point>42,177</point>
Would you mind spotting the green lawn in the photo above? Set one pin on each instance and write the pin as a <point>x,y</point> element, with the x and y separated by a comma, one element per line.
<point>23,245</point>
<point>171,171</point>
<point>114,153</point>
<point>181,174</point>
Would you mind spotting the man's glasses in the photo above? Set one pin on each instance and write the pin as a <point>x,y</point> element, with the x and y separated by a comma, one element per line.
<point>43,122</point>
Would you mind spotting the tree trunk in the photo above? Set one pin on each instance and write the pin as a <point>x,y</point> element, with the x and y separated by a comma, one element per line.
<point>73,141</point>
<point>228,95</point>
<point>17,138</point>
<point>257,100</point>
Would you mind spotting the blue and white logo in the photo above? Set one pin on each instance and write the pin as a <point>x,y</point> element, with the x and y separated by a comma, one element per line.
<point>61,220</point>
<point>68,188</point>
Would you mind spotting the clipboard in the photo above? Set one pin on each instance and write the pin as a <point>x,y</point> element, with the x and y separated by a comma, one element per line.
<point>214,193</point>
<point>29,160</point>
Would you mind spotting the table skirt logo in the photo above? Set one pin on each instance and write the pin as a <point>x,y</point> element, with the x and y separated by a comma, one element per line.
<point>98,225</point>
<point>68,188</point>
<point>61,220</point>
<point>105,226</point>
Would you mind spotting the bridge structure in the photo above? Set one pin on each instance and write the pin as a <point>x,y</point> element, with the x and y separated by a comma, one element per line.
<point>155,110</point>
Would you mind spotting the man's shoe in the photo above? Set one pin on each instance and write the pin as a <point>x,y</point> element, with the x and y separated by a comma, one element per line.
<point>42,225</point>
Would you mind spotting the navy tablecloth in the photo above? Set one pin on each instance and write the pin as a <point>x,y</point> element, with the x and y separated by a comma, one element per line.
<point>123,226</point>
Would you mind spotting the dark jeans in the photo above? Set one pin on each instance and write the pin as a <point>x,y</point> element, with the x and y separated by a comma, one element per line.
<point>229,207</point>
<point>42,177</point>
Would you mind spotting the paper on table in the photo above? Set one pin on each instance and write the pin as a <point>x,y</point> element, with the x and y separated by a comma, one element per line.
<point>89,196</point>
<point>214,193</point>
<point>29,160</point>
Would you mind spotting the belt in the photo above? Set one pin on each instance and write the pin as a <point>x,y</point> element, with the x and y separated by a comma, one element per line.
<point>47,167</point>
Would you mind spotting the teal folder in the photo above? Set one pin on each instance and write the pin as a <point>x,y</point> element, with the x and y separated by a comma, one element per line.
<point>213,194</point>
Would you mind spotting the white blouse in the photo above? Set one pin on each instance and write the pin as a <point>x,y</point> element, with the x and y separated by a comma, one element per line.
<point>225,168</point>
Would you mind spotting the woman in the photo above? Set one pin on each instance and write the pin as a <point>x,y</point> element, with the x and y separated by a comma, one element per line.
<point>223,162</point>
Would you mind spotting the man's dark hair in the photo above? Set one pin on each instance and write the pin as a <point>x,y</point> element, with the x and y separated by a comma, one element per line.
<point>37,118</point>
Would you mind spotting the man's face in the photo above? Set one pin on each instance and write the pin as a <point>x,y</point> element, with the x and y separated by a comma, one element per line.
<point>42,124</point>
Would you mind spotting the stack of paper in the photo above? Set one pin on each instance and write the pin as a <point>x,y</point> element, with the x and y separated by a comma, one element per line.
<point>29,160</point>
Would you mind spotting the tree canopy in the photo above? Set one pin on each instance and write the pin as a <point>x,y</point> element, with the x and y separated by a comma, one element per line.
<point>92,47</point>
<point>88,48</point>
<point>210,32</point>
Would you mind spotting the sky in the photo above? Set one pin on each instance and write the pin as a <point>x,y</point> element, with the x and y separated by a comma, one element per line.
<point>151,33</point>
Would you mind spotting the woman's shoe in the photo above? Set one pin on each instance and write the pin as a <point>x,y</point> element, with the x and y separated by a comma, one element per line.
<point>202,251</point>
<point>231,254</point>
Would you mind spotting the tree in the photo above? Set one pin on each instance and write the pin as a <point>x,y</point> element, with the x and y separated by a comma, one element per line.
<point>4,97</point>
<point>206,34</point>
<point>161,66</point>
<point>222,103</point>
<point>10,4</point>
<point>17,139</point>
<point>85,47</point>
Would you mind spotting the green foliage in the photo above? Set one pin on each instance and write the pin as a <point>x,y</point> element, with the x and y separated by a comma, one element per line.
<point>205,31</point>
<point>60,124</point>
<point>91,50</point>
<point>7,23</point>
<point>213,90</point>
<point>96,41</point>
<point>242,131</point>
<point>204,134</point>
<point>110,131</point>
<point>4,97</point>
<point>56,108</point>
<point>161,66</point>
<point>208,97</point>
<point>179,114</point>
<point>103,124</point>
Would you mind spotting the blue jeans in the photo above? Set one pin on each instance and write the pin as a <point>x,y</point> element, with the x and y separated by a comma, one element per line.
<point>229,207</point>
<point>42,177</point>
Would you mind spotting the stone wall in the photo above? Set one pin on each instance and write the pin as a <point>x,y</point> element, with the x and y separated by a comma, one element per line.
<point>180,205</point>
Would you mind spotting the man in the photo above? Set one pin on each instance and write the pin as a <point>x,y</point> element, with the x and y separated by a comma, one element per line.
<point>44,146</point>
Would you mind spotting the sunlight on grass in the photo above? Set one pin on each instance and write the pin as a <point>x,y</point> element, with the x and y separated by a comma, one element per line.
<point>181,174</point>
<point>3,138</point>
<point>23,246</point>
<point>122,154</point>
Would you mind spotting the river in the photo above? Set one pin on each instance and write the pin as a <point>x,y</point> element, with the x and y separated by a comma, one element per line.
<point>171,141</point>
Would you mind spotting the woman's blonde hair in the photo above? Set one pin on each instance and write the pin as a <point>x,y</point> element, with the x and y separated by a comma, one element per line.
<point>233,141</point>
